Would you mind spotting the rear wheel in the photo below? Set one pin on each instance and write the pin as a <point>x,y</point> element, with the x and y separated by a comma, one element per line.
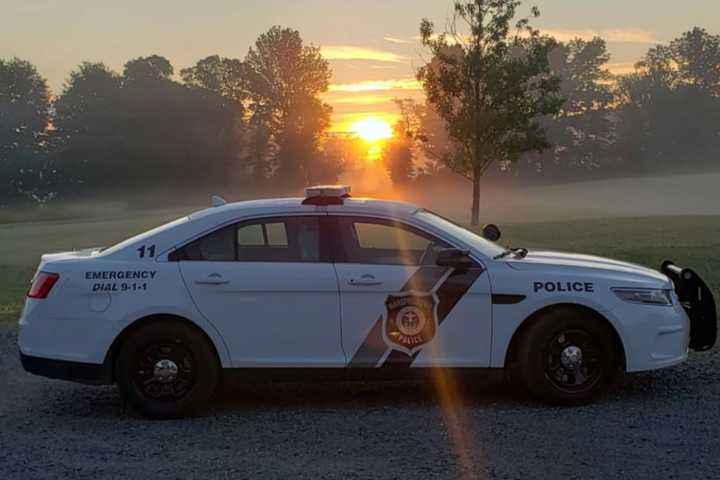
<point>166,369</point>
<point>566,357</point>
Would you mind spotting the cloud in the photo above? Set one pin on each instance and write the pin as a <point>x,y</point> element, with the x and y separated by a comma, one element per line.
<point>621,68</point>
<point>397,40</point>
<point>616,35</point>
<point>451,39</point>
<point>376,85</point>
<point>361,99</point>
<point>348,52</point>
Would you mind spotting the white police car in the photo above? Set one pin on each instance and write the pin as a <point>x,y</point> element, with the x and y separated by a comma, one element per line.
<point>362,288</point>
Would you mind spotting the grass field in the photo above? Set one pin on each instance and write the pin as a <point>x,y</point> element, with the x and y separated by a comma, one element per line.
<point>689,240</point>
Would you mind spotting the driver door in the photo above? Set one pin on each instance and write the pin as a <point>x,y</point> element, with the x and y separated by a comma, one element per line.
<point>398,307</point>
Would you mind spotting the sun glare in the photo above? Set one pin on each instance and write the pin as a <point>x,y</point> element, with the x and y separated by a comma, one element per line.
<point>372,129</point>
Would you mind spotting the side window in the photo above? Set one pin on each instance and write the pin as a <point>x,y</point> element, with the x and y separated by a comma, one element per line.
<point>251,235</point>
<point>268,241</point>
<point>276,234</point>
<point>386,243</point>
<point>291,239</point>
<point>217,246</point>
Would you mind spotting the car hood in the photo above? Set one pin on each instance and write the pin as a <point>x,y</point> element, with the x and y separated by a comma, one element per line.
<point>537,259</point>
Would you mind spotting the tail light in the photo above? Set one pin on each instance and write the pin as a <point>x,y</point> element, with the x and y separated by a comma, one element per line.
<point>42,284</point>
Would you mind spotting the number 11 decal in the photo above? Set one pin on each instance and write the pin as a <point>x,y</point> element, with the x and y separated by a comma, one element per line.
<point>150,251</point>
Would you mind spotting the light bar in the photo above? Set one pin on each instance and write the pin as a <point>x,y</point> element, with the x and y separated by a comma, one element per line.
<point>327,191</point>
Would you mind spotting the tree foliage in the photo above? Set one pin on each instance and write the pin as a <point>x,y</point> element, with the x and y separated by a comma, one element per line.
<point>141,129</point>
<point>285,79</point>
<point>149,68</point>
<point>24,118</point>
<point>581,133</point>
<point>224,76</point>
<point>670,107</point>
<point>490,81</point>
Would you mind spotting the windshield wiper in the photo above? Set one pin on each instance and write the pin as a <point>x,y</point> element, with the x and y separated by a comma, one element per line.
<point>503,254</point>
<point>518,252</point>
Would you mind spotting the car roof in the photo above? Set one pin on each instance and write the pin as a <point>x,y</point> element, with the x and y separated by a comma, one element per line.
<point>294,205</point>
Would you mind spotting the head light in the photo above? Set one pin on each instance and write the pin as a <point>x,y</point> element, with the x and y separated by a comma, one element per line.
<point>650,296</point>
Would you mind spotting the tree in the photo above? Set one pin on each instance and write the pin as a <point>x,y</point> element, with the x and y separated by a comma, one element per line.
<point>427,133</point>
<point>142,131</point>
<point>581,67</point>
<point>183,137</point>
<point>87,124</point>
<point>491,85</point>
<point>24,119</point>
<point>224,76</point>
<point>697,55</point>
<point>691,60</point>
<point>581,132</point>
<point>669,108</point>
<point>399,151</point>
<point>285,80</point>
<point>153,67</point>
<point>399,160</point>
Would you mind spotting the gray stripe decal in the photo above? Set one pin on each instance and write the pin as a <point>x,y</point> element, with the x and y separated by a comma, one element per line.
<point>373,349</point>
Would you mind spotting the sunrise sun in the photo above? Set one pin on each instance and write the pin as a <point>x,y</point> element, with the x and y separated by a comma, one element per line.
<point>372,129</point>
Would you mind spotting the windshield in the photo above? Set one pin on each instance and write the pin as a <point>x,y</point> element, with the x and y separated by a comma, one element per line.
<point>472,239</point>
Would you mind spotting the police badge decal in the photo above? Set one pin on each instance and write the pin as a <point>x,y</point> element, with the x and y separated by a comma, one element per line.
<point>410,321</point>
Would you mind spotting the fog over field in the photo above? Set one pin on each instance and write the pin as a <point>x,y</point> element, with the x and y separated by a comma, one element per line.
<point>692,194</point>
<point>689,194</point>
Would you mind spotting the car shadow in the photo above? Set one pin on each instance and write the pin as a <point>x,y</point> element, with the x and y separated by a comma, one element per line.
<point>368,395</point>
<point>64,399</point>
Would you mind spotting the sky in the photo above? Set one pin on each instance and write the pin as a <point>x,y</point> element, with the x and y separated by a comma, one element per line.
<point>372,45</point>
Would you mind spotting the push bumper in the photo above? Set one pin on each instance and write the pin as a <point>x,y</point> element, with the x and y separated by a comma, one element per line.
<point>87,373</point>
<point>698,302</point>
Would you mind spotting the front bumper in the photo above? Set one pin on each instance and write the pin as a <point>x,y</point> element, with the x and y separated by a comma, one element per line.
<point>87,373</point>
<point>698,302</point>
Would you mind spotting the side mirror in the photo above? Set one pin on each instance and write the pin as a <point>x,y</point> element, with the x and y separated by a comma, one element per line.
<point>491,232</point>
<point>454,257</point>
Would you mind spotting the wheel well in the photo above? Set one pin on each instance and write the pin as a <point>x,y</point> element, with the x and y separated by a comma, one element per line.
<point>133,327</point>
<point>525,325</point>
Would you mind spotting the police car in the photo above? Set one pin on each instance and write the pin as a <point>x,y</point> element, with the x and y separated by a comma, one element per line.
<point>351,288</point>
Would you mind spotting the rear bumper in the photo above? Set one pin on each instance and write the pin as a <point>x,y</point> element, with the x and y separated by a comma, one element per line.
<point>698,302</point>
<point>87,373</point>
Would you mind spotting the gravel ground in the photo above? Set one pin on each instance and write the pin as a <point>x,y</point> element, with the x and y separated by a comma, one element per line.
<point>653,425</point>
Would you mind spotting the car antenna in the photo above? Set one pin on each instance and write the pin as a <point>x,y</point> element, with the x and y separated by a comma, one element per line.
<point>217,201</point>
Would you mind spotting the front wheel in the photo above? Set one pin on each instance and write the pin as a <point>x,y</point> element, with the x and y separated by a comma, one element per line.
<point>166,369</point>
<point>566,357</point>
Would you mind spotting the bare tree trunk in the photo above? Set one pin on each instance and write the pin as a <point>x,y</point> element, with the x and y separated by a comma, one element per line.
<point>475,216</point>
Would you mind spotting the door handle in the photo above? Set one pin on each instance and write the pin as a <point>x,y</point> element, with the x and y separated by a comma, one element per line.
<point>366,280</point>
<point>212,279</point>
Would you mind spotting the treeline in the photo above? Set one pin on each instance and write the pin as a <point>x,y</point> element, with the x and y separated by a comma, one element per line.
<point>255,121</point>
<point>260,122</point>
<point>662,117</point>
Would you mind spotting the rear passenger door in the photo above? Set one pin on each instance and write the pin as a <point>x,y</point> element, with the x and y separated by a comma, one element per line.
<point>399,308</point>
<point>270,289</point>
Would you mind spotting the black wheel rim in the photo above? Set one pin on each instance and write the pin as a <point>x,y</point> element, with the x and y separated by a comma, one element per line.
<point>573,361</point>
<point>165,371</point>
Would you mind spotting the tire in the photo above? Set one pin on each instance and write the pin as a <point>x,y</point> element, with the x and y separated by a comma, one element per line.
<point>166,369</point>
<point>566,357</point>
